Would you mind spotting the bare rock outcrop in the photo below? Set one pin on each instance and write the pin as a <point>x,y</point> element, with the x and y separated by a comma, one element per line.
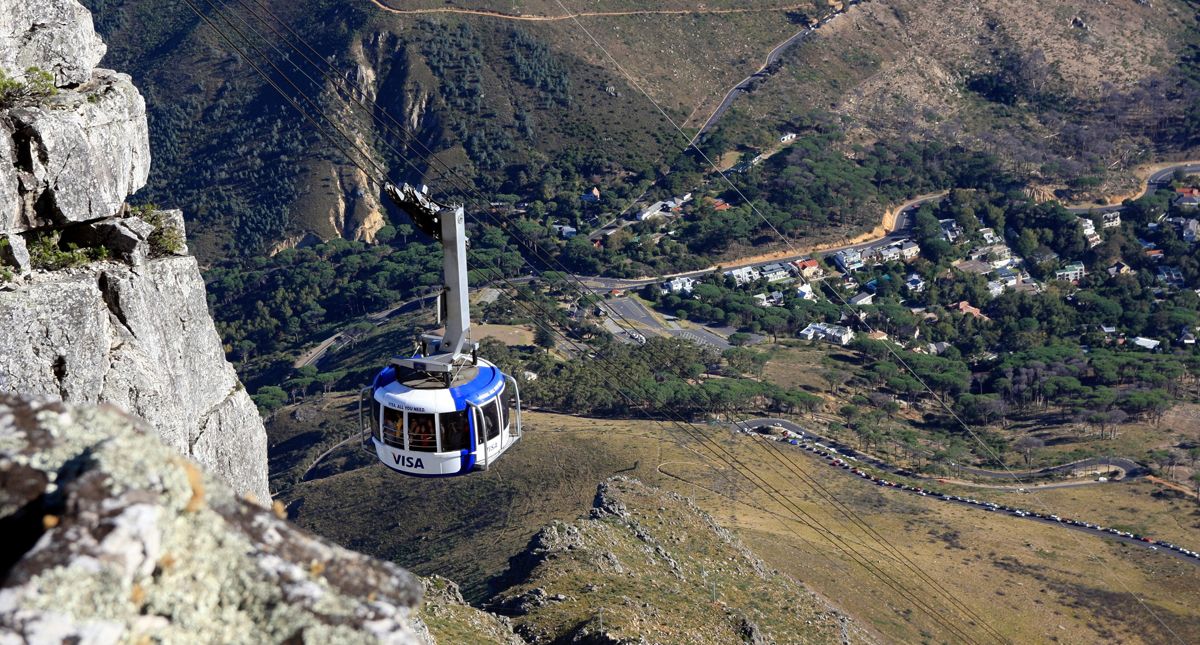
<point>647,563</point>
<point>111,537</point>
<point>98,303</point>
<point>140,338</point>
<point>53,35</point>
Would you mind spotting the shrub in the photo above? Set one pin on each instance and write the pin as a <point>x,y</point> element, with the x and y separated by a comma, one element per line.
<point>165,240</point>
<point>45,253</point>
<point>37,86</point>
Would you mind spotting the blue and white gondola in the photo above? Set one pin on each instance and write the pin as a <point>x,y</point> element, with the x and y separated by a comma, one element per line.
<point>421,428</point>
<point>443,411</point>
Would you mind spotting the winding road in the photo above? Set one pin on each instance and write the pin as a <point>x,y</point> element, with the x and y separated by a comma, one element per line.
<point>743,86</point>
<point>385,6</point>
<point>836,455</point>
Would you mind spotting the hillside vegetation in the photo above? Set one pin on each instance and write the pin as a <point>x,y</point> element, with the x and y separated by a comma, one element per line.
<point>1072,96</point>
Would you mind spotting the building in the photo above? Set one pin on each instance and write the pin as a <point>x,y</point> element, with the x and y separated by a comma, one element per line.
<point>655,210</point>
<point>996,255</point>
<point>679,285</point>
<point>938,348</point>
<point>989,236</point>
<point>1154,254</point>
<point>1111,219</point>
<point>787,137</point>
<point>1146,343</point>
<point>565,231</point>
<point>890,253</point>
<point>1187,338</point>
<point>809,269</point>
<point>676,205</point>
<point>966,309</point>
<point>806,291</point>
<point>744,275</point>
<point>1073,272</point>
<point>1120,268</point>
<point>951,231</point>
<point>849,260</point>
<point>977,267</point>
<point>914,283</point>
<point>835,334</point>
<point>1189,231</point>
<point>863,298</point>
<point>591,197</point>
<point>1171,276</point>
<point>1187,198</point>
<point>909,250</point>
<point>775,272</point>
<point>773,299</point>
<point>1088,227</point>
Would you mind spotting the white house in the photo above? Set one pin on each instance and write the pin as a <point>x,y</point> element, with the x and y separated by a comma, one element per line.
<point>655,210</point>
<point>744,275</point>
<point>806,291</point>
<point>914,283</point>
<point>863,298</point>
<point>951,231</point>
<point>836,334</point>
<point>1088,227</point>
<point>849,260</point>
<point>775,272</point>
<point>679,285</point>
<point>565,231</point>
<point>1146,343</point>
<point>909,250</point>
<point>1073,272</point>
<point>1111,219</point>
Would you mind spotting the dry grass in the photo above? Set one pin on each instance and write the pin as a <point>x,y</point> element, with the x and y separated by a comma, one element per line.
<point>1033,582</point>
<point>1137,506</point>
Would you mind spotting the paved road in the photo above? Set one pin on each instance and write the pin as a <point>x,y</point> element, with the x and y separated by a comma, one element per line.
<point>1156,180</point>
<point>314,355</point>
<point>900,231</point>
<point>1131,468</point>
<point>633,312</point>
<point>773,57</point>
<point>845,459</point>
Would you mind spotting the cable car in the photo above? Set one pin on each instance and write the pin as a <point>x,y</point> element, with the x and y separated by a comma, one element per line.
<point>442,411</point>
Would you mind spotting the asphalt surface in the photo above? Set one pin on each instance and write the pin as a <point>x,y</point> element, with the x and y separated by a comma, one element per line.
<point>846,459</point>
<point>633,312</point>
<point>773,57</point>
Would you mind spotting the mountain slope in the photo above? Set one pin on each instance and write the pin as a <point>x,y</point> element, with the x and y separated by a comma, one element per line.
<point>647,565</point>
<point>1070,95</point>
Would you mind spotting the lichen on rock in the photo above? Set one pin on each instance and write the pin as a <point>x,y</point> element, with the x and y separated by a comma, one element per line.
<point>113,537</point>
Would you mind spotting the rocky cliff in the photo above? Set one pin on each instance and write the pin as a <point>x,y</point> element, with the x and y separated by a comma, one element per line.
<point>649,566</point>
<point>110,537</point>
<point>101,303</point>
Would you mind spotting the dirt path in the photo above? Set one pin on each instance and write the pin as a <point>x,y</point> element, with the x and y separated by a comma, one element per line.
<point>1172,485</point>
<point>1143,173</point>
<point>382,4</point>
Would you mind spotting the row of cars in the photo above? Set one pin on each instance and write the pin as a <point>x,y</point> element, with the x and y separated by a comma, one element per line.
<point>849,463</point>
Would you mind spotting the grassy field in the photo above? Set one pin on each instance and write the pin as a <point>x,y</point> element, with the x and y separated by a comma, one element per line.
<point>1136,506</point>
<point>1034,582</point>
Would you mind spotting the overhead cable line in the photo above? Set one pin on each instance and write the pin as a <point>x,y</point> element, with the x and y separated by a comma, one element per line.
<point>691,144</point>
<point>842,508</point>
<point>295,105</point>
